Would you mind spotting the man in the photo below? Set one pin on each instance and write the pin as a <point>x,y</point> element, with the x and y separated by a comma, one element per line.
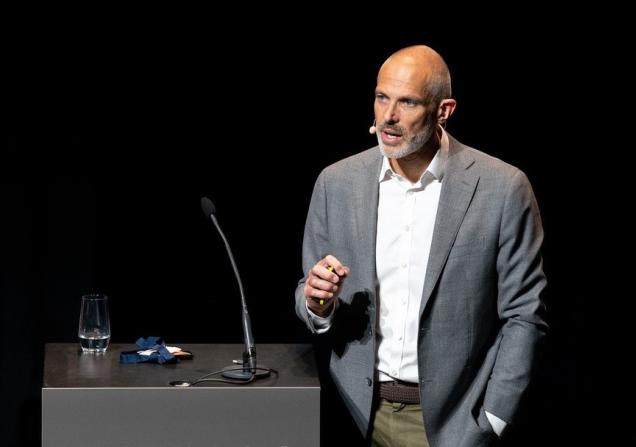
<point>423,266</point>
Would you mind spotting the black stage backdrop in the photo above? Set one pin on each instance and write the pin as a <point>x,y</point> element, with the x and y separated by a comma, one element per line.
<point>116,135</point>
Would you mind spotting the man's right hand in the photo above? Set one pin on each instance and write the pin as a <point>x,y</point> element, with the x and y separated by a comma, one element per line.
<point>323,284</point>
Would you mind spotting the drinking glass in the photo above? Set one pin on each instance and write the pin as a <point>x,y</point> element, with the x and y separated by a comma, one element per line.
<point>94,324</point>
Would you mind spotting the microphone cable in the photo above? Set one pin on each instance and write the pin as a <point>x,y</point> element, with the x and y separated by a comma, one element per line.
<point>208,377</point>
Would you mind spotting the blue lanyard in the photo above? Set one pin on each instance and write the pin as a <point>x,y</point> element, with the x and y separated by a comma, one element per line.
<point>160,355</point>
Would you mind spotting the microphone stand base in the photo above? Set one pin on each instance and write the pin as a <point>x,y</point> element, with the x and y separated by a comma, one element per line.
<point>234,373</point>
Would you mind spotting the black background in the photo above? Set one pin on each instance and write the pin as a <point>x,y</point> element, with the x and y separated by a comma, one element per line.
<point>117,128</point>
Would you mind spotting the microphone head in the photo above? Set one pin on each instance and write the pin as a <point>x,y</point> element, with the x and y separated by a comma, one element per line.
<point>372,130</point>
<point>207,206</point>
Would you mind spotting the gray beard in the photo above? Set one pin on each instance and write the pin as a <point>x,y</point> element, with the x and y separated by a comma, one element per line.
<point>410,147</point>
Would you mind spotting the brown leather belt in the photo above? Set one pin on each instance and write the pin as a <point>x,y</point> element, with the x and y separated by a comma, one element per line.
<point>401,392</point>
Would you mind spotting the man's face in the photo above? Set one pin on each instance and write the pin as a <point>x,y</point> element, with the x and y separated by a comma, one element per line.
<point>405,117</point>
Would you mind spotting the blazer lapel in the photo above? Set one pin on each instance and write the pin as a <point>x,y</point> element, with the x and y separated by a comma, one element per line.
<point>366,187</point>
<point>458,188</point>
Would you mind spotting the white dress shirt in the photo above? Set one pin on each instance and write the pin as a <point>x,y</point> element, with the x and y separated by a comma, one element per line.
<point>406,218</point>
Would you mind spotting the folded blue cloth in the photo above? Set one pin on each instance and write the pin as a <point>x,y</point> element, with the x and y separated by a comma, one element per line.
<point>159,355</point>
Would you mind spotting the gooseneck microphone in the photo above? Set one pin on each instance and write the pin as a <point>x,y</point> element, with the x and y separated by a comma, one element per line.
<point>250,370</point>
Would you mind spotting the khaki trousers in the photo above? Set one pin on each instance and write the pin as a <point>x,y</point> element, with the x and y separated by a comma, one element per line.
<point>398,425</point>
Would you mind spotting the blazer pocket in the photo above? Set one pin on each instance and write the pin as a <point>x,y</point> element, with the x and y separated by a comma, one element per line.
<point>469,248</point>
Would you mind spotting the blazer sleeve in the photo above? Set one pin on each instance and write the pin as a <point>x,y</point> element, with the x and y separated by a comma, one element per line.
<point>521,282</point>
<point>315,243</point>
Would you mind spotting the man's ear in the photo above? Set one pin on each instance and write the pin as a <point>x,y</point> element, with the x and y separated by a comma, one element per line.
<point>445,110</point>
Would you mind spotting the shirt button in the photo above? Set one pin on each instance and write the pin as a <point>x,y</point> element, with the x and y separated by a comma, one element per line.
<point>369,381</point>
<point>403,266</point>
<point>406,228</point>
<point>400,339</point>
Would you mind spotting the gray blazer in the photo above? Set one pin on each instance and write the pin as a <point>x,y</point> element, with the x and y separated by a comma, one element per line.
<point>481,316</point>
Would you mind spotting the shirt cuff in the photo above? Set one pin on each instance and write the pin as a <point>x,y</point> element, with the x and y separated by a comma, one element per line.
<point>321,324</point>
<point>497,424</point>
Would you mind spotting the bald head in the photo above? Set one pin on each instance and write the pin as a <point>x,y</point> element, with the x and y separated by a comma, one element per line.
<point>421,66</point>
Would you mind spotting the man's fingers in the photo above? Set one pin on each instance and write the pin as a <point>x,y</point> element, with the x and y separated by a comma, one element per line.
<point>319,288</point>
<point>322,294</point>
<point>321,284</point>
<point>336,265</point>
<point>321,271</point>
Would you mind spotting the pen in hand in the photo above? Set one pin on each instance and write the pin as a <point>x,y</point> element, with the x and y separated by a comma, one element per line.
<point>321,301</point>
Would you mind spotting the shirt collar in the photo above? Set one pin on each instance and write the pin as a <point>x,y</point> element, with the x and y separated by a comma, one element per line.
<point>436,167</point>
